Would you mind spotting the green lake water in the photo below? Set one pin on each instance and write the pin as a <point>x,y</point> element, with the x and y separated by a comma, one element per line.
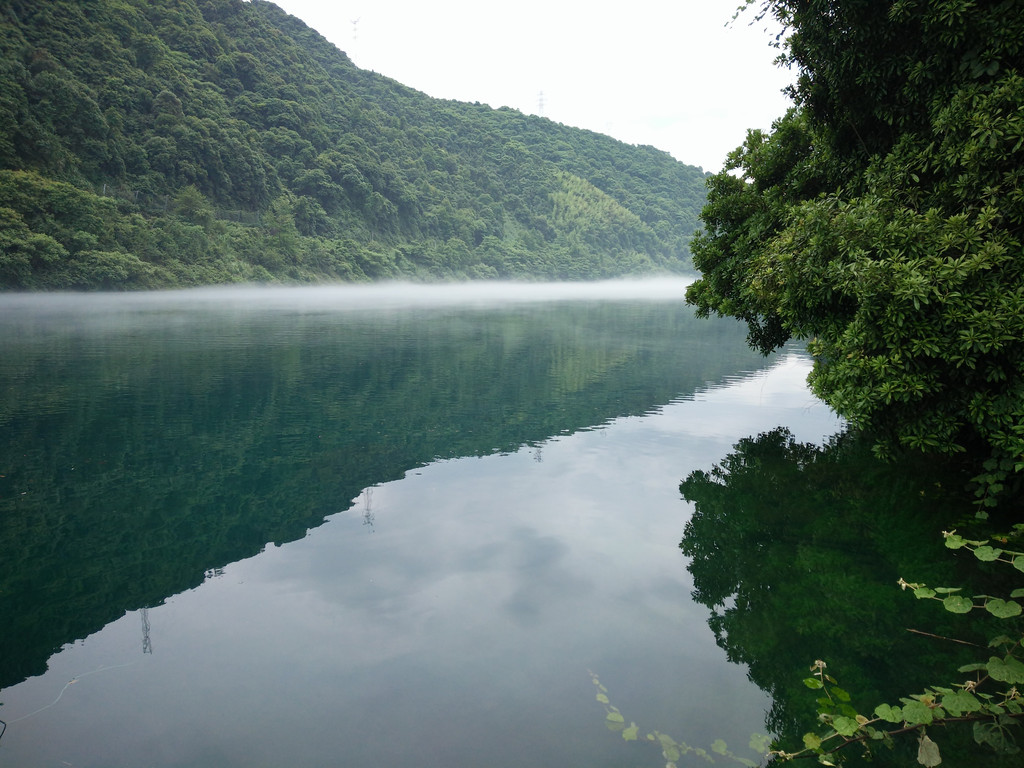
<point>398,526</point>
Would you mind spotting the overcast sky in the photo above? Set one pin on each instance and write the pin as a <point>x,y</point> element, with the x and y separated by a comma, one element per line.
<point>667,73</point>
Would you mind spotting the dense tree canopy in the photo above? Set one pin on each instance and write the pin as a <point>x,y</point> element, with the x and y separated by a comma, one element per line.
<point>882,219</point>
<point>147,143</point>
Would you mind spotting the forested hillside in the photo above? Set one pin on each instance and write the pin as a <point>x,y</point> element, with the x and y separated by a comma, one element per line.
<point>153,143</point>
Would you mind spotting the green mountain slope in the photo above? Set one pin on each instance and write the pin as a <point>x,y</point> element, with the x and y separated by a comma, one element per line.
<point>148,143</point>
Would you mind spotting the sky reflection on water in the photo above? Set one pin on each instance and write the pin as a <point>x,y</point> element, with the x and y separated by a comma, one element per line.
<point>448,618</point>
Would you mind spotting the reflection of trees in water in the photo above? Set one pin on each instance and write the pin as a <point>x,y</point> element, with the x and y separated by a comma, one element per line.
<point>145,451</point>
<point>796,549</point>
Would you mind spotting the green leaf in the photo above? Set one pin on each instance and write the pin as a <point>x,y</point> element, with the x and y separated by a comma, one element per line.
<point>840,694</point>
<point>719,747</point>
<point>981,732</point>
<point>924,592</point>
<point>972,667</point>
<point>955,541</point>
<point>916,713</point>
<point>958,702</point>
<point>760,743</point>
<point>995,737</point>
<point>889,714</point>
<point>846,726</point>
<point>1018,562</point>
<point>957,604</point>
<point>1008,670</point>
<point>614,721</point>
<point>670,750</point>
<point>928,752</point>
<point>987,554</point>
<point>1017,593</point>
<point>630,733</point>
<point>812,741</point>
<point>813,683</point>
<point>1003,609</point>
<point>602,698</point>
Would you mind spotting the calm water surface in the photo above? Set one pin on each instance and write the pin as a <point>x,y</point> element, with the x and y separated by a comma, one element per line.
<point>367,527</point>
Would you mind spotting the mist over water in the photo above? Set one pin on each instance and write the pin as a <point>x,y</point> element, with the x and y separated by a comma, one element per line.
<point>350,297</point>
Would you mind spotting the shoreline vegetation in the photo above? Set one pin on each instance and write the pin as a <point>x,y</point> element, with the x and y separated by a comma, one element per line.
<point>881,221</point>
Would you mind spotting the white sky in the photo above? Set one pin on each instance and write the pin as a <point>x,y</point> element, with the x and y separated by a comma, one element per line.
<point>669,73</point>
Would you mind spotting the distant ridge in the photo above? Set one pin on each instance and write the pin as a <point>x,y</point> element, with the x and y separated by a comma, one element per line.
<point>159,143</point>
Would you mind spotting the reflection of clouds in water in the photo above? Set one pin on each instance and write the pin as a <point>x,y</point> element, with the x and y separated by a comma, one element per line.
<point>464,548</point>
<point>758,402</point>
<point>452,567</point>
<point>545,582</point>
<point>486,586</point>
<point>781,385</point>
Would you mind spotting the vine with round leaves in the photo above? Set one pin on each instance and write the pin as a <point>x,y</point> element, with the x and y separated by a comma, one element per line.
<point>671,749</point>
<point>989,699</point>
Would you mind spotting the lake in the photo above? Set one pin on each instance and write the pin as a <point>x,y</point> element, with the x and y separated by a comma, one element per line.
<point>397,525</point>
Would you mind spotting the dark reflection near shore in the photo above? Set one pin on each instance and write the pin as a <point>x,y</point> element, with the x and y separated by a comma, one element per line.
<point>796,550</point>
<point>146,444</point>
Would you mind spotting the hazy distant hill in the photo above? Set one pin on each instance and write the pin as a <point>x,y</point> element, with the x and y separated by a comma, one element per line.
<point>148,143</point>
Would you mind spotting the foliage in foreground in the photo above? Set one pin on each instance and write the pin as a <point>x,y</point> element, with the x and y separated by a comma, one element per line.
<point>671,749</point>
<point>794,549</point>
<point>882,219</point>
<point>988,699</point>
